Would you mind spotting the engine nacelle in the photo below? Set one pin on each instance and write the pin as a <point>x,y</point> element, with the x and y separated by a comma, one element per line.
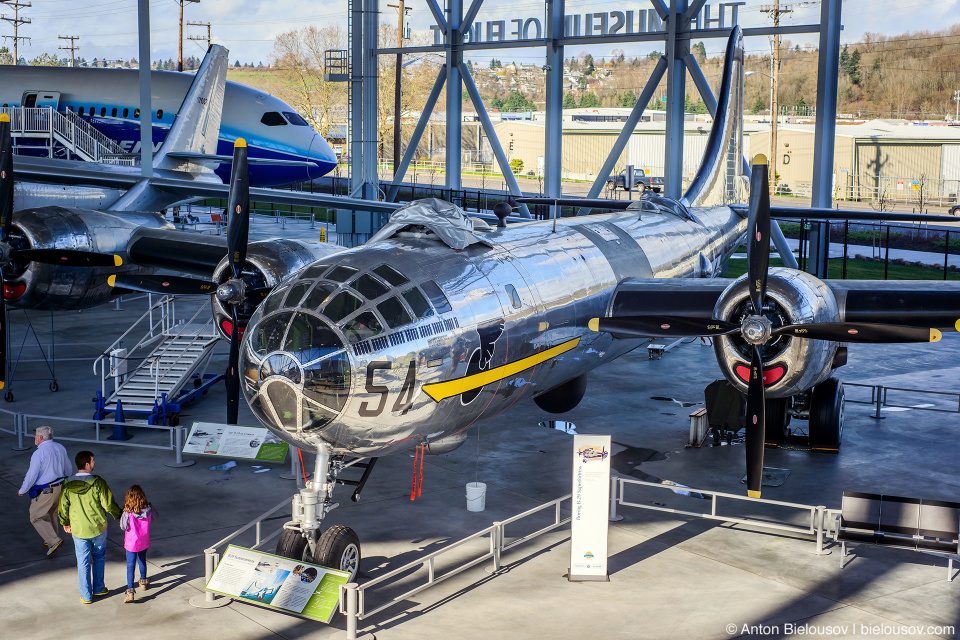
<point>790,364</point>
<point>32,285</point>
<point>268,262</point>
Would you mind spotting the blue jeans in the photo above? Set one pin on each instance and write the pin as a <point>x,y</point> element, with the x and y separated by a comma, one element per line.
<point>140,558</point>
<point>91,555</point>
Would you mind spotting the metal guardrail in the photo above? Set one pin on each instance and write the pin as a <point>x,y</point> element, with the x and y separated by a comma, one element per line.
<point>166,309</point>
<point>879,398</point>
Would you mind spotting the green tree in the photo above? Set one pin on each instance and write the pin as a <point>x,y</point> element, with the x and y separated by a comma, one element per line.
<point>497,103</point>
<point>236,64</point>
<point>569,101</point>
<point>5,56</point>
<point>801,105</point>
<point>589,100</point>
<point>588,65</point>
<point>759,105</point>
<point>654,55</point>
<point>516,165</point>
<point>627,99</point>
<point>854,71</point>
<point>700,51</point>
<point>45,60</point>
<point>517,102</point>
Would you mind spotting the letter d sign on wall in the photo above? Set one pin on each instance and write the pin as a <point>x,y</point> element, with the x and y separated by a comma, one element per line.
<point>591,498</point>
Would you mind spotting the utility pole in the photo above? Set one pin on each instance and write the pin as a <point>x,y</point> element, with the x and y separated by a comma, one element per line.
<point>16,21</point>
<point>775,10</point>
<point>956,98</point>
<point>200,24</point>
<point>402,10</point>
<point>72,48</point>
<point>180,41</point>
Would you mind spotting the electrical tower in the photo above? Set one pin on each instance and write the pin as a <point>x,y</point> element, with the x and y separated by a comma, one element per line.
<point>180,42</point>
<point>200,24</point>
<point>72,48</point>
<point>16,21</point>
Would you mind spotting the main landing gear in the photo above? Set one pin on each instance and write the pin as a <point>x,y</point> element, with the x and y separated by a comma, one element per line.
<point>338,547</point>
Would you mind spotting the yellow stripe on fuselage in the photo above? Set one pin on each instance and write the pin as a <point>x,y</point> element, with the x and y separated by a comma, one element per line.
<point>442,390</point>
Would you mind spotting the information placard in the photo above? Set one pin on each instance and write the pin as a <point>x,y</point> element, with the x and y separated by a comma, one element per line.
<point>252,443</point>
<point>280,583</point>
<point>591,498</point>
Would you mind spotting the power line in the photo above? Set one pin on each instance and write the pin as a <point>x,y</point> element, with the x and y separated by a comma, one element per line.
<point>200,24</point>
<point>16,21</point>
<point>72,48</point>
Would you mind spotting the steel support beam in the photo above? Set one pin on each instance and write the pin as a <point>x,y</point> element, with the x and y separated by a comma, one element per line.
<point>825,131</point>
<point>146,109</point>
<point>678,45</point>
<point>553,151</point>
<point>437,15</point>
<point>492,137</point>
<point>355,123</point>
<point>371,28</point>
<point>703,87</point>
<point>454,42</point>
<point>417,134</point>
<point>628,127</point>
<point>471,14</point>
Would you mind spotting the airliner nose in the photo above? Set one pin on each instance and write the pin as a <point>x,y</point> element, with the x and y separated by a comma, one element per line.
<point>322,154</point>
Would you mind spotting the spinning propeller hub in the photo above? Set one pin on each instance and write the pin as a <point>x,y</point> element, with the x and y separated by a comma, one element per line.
<point>230,292</point>
<point>756,329</point>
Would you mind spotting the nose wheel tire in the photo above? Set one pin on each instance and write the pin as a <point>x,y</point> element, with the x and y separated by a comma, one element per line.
<point>294,546</point>
<point>339,548</point>
<point>826,416</point>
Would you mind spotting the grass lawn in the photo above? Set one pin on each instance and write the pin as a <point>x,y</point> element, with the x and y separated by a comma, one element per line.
<point>859,270</point>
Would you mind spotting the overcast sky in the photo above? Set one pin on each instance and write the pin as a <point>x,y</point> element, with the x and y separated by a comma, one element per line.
<point>107,29</point>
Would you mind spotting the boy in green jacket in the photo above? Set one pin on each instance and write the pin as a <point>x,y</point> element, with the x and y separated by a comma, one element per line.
<point>84,504</point>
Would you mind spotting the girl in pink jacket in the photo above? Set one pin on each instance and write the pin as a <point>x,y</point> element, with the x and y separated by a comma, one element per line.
<point>135,522</point>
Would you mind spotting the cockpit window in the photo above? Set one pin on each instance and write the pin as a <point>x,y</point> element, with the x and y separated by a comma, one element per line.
<point>362,327</point>
<point>440,303</point>
<point>269,334</point>
<point>418,303</point>
<point>283,399</point>
<point>328,381</point>
<point>391,275</point>
<point>315,417</point>
<point>393,312</point>
<point>340,274</point>
<point>295,119</point>
<point>296,294</point>
<point>369,287</point>
<point>272,303</point>
<point>314,271</point>
<point>309,339</point>
<point>273,119</point>
<point>342,305</point>
<point>318,295</point>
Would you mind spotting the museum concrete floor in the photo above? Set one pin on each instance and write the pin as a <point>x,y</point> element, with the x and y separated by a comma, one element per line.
<point>670,576</point>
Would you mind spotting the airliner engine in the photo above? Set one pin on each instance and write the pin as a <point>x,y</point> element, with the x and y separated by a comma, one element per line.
<point>790,364</point>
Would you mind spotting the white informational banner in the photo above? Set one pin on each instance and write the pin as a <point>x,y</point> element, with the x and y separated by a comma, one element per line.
<point>591,508</point>
<point>231,441</point>
<point>278,583</point>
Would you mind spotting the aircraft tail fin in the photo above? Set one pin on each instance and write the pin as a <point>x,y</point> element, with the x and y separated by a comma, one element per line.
<point>196,129</point>
<point>721,179</point>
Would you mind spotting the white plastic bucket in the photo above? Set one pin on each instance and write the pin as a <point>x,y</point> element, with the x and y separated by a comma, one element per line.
<point>476,496</point>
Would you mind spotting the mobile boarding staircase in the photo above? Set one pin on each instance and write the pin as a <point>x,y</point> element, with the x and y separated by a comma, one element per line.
<point>172,374</point>
<point>75,134</point>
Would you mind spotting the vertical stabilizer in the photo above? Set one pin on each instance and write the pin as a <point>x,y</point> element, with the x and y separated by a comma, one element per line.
<point>721,179</point>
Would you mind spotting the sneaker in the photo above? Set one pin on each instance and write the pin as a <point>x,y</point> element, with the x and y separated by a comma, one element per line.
<point>129,596</point>
<point>50,550</point>
<point>86,601</point>
<point>144,583</point>
<point>102,593</point>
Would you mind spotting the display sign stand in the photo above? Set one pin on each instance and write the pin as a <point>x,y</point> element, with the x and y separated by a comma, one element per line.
<point>234,441</point>
<point>591,509</point>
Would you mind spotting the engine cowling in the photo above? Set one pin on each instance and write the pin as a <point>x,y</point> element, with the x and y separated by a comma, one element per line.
<point>268,262</point>
<point>32,285</point>
<point>791,365</point>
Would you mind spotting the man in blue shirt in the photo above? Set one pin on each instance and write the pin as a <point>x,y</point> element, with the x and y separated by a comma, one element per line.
<point>49,465</point>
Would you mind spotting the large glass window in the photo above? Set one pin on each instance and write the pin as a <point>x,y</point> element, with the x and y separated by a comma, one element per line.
<point>341,274</point>
<point>369,287</point>
<point>295,119</point>
<point>309,339</point>
<point>272,303</point>
<point>391,275</point>
<point>416,300</point>
<point>314,271</point>
<point>296,294</point>
<point>362,327</point>
<point>280,364</point>
<point>273,119</point>
<point>284,401</point>
<point>269,333</point>
<point>342,305</point>
<point>440,303</point>
<point>320,293</point>
<point>328,381</point>
<point>315,417</point>
<point>393,312</point>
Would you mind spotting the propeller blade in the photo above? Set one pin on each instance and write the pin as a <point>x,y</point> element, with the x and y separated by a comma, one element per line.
<point>859,332</point>
<point>666,326</point>
<point>6,177</point>
<point>238,208</point>
<point>758,230</point>
<point>233,373</point>
<point>168,285</point>
<point>756,426</point>
<point>67,257</point>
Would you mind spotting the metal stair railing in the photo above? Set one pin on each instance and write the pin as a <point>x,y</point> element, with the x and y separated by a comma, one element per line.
<point>93,142</point>
<point>199,336</point>
<point>67,128</point>
<point>165,308</point>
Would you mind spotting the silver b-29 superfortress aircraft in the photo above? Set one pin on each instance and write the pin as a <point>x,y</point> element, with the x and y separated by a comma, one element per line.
<point>440,321</point>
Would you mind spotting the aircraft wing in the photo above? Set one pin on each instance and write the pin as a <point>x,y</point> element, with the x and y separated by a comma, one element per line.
<point>192,253</point>
<point>55,171</point>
